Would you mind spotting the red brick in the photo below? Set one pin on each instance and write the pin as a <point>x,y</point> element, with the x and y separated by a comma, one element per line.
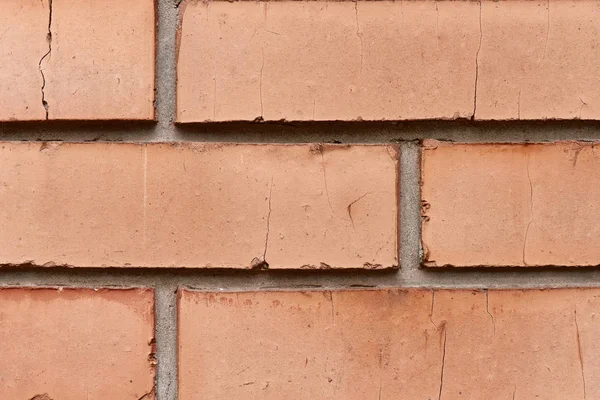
<point>388,60</point>
<point>24,26</point>
<point>101,63</point>
<point>539,60</point>
<point>76,344</point>
<point>398,343</point>
<point>198,205</point>
<point>318,60</point>
<point>510,204</point>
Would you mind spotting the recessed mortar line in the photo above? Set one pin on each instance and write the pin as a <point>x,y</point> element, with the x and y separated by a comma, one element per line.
<point>166,71</point>
<point>48,54</point>
<point>166,340</point>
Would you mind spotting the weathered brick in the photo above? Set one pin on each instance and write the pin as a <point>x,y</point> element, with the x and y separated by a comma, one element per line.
<point>510,204</point>
<point>86,60</point>
<point>23,30</point>
<point>388,60</point>
<point>76,344</point>
<point>198,205</point>
<point>539,60</point>
<point>318,60</point>
<point>398,343</point>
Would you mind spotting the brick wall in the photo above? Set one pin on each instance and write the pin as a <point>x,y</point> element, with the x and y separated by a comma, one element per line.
<point>299,199</point>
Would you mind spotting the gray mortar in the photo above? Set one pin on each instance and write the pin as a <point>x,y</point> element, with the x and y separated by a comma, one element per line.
<point>166,281</point>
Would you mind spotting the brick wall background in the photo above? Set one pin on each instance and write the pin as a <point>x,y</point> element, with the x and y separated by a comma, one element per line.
<point>299,199</point>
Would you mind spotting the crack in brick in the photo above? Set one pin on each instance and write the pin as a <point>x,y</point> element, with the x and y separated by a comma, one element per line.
<point>349,208</point>
<point>48,54</point>
<point>443,364</point>
<point>321,150</point>
<point>437,19</point>
<point>580,354</point>
<point>359,35</point>
<point>41,397</point>
<point>477,64</point>
<point>519,106</point>
<point>264,264</point>
<point>487,309</point>
<point>431,311</point>
<point>332,308</point>
<point>530,211</point>
<point>583,103</point>
<point>262,67</point>
<point>547,28</point>
<point>148,395</point>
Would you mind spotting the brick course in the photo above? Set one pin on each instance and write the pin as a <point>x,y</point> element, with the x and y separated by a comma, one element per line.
<point>76,343</point>
<point>413,343</point>
<point>510,204</point>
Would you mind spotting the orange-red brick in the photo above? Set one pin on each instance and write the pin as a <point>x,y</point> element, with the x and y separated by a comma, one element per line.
<point>95,60</point>
<point>24,26</point>
<point>510,204</point>
<point>539,60</point>
<point>76,344</point>
<point>308,60</point>
<point>198,205</point>
<point>386,60</point>
<point>398,343</point>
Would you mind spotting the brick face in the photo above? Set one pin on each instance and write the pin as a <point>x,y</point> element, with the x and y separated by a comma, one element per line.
<point>326,61</point>
<point>98,65</point>
<point>385,60</point>
<point>198,205</point>
<point>409,343</point>
<point>20,53</point>
<point>510,204</point>
<point>76,344</point>
<point>539,60</point>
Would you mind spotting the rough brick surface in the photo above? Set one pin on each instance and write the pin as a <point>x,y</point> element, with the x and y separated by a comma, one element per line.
<point>510,204</point>
<point>195,205</point>
<point>539,60</point>
<point>388,60</point>
<point>76,344</point>
<point>415,344</point>
<point>76,60</point>
<point>24,26</point>
<point>326,61</point>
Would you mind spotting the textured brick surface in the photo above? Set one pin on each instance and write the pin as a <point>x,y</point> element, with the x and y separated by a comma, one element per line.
<point>539,60</point>
<point>326,61</point>
<point>388,60</point>
<point>415,344</point>
<point>23,30</point>
<point>510,204</point>
<point>86,60</point>
<point>193,205</point>
<point>76,344</point>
